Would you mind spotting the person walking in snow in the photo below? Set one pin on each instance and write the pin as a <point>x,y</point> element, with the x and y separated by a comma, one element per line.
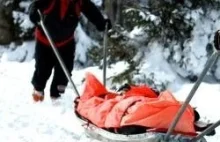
<point>60,18</point>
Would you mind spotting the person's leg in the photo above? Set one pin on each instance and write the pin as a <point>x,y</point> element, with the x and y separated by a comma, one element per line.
<point>60,80</point>
<point>44,63</point>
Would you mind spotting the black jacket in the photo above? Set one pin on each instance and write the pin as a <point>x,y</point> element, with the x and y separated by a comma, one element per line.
<point>62,16</point>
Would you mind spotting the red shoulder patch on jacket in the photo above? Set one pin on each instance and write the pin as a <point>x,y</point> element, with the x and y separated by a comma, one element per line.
<point>63,8</point>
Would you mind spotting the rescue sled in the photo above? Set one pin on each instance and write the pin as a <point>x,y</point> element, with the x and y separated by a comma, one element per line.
<point>93,87</point>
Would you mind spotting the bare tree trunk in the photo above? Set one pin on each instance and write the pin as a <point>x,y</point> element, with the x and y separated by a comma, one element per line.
<point>6,21</point>
<point>119,19</point>
<point>108,4</point>
<point>113,8</point>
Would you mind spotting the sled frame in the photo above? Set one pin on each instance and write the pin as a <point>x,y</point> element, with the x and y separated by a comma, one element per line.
<point>105,136</point>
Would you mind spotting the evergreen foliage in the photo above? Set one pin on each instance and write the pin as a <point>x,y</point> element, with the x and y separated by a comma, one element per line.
<point>166,21</point>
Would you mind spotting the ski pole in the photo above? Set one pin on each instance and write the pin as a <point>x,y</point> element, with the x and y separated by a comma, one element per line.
<point>209,64</point>
<point>206,131</point>
<point>105,54</point>
<point>215,125</point>
<point>57,54</point>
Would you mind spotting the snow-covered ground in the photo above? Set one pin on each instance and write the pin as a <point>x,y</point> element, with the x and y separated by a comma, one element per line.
<point>22,120</point>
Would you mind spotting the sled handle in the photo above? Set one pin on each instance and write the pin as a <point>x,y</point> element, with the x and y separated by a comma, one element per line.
<point>209,64</point>
<point>105,41</point>
<point>57,53</point>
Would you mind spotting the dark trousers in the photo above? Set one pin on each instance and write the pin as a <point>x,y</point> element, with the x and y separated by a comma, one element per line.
<point>46,61</point>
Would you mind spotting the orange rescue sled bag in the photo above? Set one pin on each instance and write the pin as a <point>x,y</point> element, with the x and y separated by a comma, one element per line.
<point>138,106</point>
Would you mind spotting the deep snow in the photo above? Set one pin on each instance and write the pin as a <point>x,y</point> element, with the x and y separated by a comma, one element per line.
<point>22,120</point>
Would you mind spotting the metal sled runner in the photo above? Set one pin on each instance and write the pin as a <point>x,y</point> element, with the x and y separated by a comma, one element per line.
<point>106,136</point>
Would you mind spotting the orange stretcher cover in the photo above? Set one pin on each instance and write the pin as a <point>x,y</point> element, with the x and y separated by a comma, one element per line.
<point>138,106</point>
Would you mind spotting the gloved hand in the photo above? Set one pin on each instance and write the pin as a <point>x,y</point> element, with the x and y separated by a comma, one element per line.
<point>102,25</point>
<point>109,24</point>
<point>124,87</point>
<point>33,12</point>
<point>217,40</point>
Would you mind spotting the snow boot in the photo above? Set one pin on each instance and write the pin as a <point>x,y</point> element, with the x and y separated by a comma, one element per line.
<point>38,96</point>
<point>55,96</point>
<point>55,93</point>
